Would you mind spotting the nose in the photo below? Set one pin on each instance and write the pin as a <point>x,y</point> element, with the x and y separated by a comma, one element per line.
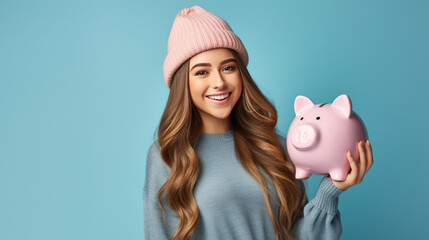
<point>305,136</point>
<point>218,81</point>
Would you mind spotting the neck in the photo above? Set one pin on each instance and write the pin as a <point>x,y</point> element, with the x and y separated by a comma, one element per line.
<point>215,125</point>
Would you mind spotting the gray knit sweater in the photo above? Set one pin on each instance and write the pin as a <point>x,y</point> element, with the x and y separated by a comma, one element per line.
<point>230,202</point>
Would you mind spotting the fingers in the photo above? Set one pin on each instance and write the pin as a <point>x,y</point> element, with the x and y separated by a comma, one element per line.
<point>362,162</point>
<point>369,157</point>
<point>357,172</point>
<point>354,167</point>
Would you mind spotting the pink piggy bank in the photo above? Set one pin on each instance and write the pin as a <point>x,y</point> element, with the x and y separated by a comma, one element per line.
<point>320,136</point>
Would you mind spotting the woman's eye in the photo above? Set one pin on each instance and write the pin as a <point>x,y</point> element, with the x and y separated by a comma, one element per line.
<point>229,68</point>
<point>201,73</point>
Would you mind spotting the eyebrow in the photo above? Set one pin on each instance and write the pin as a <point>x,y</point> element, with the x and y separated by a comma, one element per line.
<point>209,65</point>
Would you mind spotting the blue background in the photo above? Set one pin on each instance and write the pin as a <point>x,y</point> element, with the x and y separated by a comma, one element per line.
<point>82,92</point>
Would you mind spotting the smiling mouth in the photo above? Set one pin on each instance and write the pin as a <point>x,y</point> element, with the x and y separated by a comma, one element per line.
<point>219,97</point>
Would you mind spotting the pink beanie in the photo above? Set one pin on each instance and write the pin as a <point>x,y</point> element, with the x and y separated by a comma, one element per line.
<point>196,30</point>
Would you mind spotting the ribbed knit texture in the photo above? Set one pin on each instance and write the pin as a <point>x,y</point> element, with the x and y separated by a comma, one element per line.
<point>326,192</point>
<point>231,204</point>
<point>216,137</point>
<point>195,30</point>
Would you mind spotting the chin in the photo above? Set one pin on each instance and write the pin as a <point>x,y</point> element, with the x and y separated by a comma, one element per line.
<point>222,116</point>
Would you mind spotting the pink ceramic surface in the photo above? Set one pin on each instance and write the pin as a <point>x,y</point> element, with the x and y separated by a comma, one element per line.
<point>320,135</point>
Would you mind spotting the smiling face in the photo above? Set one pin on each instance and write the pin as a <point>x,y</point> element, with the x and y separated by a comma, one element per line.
<point>215,87</point>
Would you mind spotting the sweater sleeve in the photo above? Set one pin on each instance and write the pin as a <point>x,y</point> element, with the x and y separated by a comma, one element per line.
<point>156,174</point>
<point>321,219</point>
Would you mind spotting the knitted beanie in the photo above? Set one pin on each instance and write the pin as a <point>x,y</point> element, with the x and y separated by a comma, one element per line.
<point>196,30</point>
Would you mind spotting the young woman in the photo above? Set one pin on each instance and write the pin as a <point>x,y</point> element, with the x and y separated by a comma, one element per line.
<point>218,169</point>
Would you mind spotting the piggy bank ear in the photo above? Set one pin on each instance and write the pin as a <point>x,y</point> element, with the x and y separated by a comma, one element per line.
<point>344,104</point>
<point>302,102</point>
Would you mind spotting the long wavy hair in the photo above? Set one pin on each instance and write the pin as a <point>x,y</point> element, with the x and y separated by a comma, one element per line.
<point>257,146</point>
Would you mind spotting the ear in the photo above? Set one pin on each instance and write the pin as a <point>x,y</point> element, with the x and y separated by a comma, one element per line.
<point>302,102</point>
<point>344,104</point>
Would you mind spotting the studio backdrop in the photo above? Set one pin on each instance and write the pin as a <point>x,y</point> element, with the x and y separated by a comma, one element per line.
<point>82,92</point>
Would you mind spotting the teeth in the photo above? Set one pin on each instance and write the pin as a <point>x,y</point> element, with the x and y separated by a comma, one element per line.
<point>219,97</point>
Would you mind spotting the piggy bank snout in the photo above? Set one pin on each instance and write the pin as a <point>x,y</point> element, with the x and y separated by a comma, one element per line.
<point>304,136</point>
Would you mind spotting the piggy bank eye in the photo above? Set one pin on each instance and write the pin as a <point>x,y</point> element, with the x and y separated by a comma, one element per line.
<point>302,118</point>
<point>317,118</point>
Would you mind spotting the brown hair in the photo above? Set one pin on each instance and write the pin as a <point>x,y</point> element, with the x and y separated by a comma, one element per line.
<point>259,150</point>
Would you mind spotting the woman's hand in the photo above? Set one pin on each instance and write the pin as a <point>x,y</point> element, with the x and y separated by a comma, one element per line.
<point>357,172</point>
